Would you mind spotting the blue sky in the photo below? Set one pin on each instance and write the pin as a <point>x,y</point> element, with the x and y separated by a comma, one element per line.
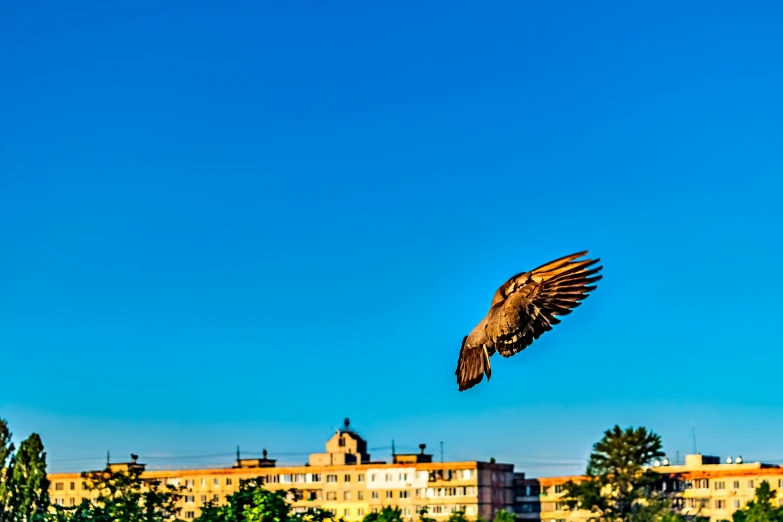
<point>226,225</point>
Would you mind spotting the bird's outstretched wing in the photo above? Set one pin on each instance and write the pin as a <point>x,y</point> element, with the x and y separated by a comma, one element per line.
<point>472,364</point>
<point>525,306</point>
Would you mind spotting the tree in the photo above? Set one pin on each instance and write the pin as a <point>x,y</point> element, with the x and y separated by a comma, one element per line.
<point>619,486</point>
<point>457,516</point>
<point>6,454</point>
<point>423,512</point>
<point>504,516</point>
<point>387,514</point>
<point>253,503</point>
<point>760,509</point>
<point>124,495</point>
<point>28,485</point>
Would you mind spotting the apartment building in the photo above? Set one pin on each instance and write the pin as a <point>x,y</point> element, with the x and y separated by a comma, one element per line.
<point>342,479</point>
<point>702,487</point>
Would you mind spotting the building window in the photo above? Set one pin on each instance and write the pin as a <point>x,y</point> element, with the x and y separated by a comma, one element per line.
<point>346,512</point>
<point>215,497</point>
<point>347,495</point>
<point>720,485</point>
<point>360,495</point>
<point>84,486</point>
<point>406,511</point>
<point>736,503</point>
<point>735,484</point>
<point>203,499</point>
<point>560,506</point>
<point>360,512</point>
<point>558,488</point>
<point>545,490</point>
<point>72,501</point>
<point>347,478</point>
<point>374,510</point>
<point>720,504</point>
<point>372,477</point>
<point>72,486</point>
<point>190,514</point>
<point>374,495</point>
<point>203,483</point>
<point>189,499</point>
<point>388,477</point>
<point>229,482</point>
<point>331,495</point>
<point>58,486</point>
<point>780,483</point>
<point>559,520</point>
<point>389,494</point>
<point>403,494</point>
<point>403,477</point>
<point>360,478</point>
<point>216,482</point>
<point>331,478</point>
<point>189,483</point>
<point>751,484</point>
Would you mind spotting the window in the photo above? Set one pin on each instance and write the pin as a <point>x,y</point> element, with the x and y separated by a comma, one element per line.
<point>735,484</point>
<point>720,504</point>
<point>545,490</point>
<point>189,499</point>
<point>558,488</point>
<point>374,495</point>
<point>347,478</point>
<point>189,483</point>
<point>736,503</point>
<point>751,484</point>
<point>190,514</point>
<point>229,482</point>
<point>389,494</point>
<point>406,511</point>
<point>374,510</point>
<point>331,495</point>
<point>780,483</point>
<point>360,512</point>
<point>720,485</point>
<point>58,486</point>
<point>203,499</point>
<point>72,501</point>
<point>331,478</point>
<point>372,477</point>
<point>72,486</point>
<point>403,494</point>
<point>347,495</point>
<point>203,483</point>
<point>216,482</point>
<point>403,477</point>
<point>215,497</point>
<point>360,495</point>
<point>346,512</point>
<point>559,520</point>
<point>84,486</point>
<point>388,477</point>
<point>560,506</point>
<point>360,478</point>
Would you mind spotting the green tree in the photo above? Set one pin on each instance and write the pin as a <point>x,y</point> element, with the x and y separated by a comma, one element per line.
<point>126,496</point>
<point>619,486</point>
<point>6,454</point>
<point>761,508</point>
<point>28,484</point>
<point>423,512</point>
<point>457,516</point>
<point>387,514</point>
<point>253,503</point>
<point>502,515</point>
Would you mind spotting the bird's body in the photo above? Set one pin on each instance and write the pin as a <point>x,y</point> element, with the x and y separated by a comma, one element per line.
<point>522,309</point>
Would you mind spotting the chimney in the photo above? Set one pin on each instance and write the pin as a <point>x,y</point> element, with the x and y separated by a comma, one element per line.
<point>421,447</point>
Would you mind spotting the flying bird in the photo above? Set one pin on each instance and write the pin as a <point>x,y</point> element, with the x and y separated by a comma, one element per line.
<point>522,309</point>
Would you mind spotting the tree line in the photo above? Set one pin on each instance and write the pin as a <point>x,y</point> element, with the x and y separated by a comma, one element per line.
<point>618,486</point>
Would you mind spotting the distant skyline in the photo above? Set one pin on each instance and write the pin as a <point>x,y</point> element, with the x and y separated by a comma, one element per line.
<point>226,226</point>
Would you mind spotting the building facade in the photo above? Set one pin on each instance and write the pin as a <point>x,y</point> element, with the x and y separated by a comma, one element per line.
<point>701,487</point>
<point>343,479</point>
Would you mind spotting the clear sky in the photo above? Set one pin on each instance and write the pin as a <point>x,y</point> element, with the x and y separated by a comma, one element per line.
<point>238,224</point>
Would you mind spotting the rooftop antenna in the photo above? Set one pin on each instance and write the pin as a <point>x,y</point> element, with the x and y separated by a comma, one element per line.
<point>677,459</point>
<point>238,459</point>
<point>393,453</point>
<point>441,452</point>
<point>108,459</point>
<point>693,432</point>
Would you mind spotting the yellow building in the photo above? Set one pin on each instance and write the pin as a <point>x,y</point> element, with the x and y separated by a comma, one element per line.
<point>342,479</point>
<point>701,487</point>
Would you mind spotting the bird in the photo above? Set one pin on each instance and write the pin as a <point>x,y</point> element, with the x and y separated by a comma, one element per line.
<point>522,309</point>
